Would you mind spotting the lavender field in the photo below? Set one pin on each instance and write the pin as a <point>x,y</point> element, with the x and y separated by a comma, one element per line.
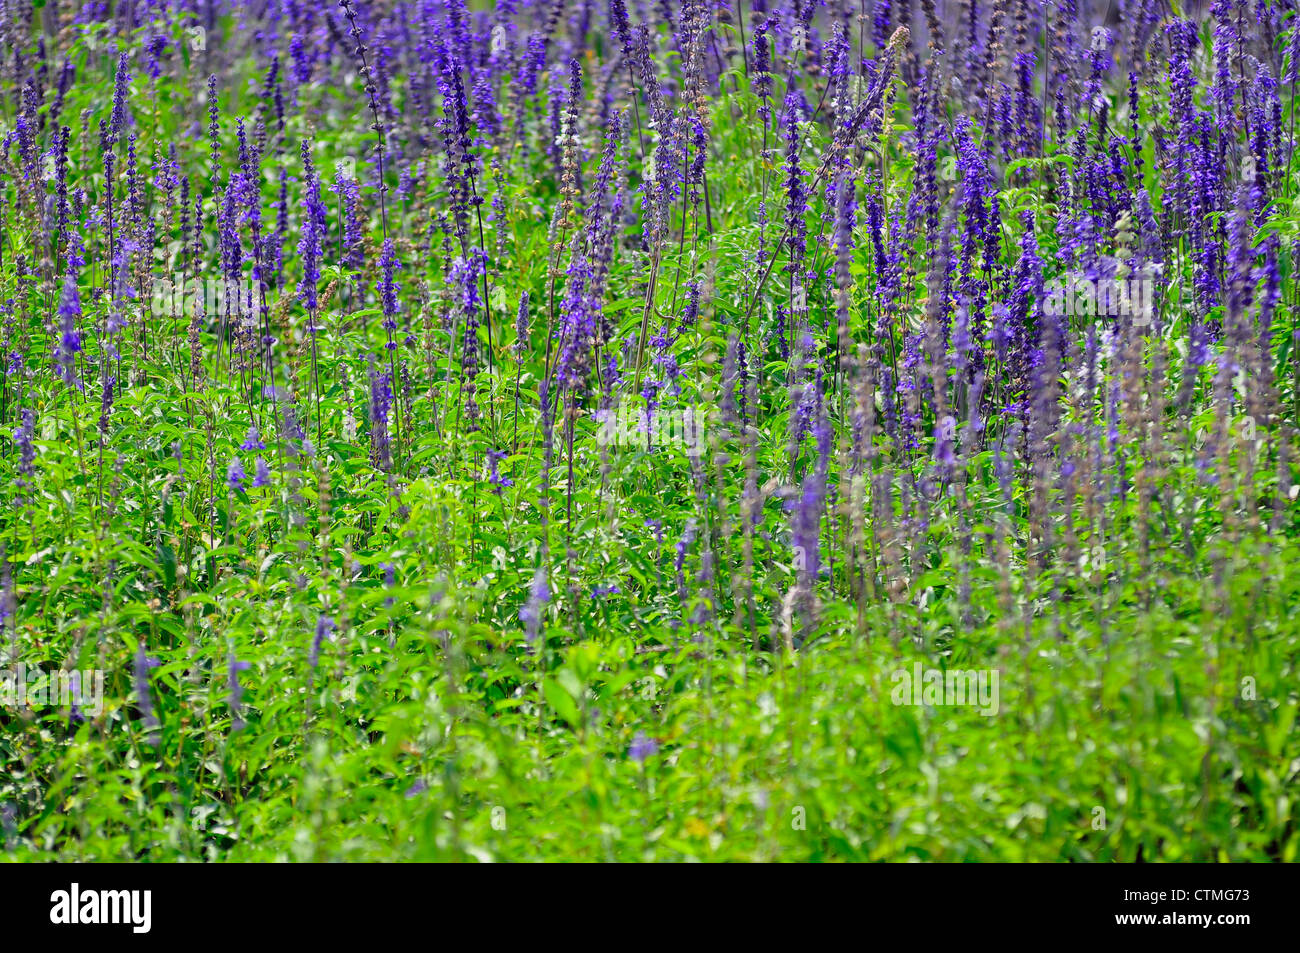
<point>615,430</point>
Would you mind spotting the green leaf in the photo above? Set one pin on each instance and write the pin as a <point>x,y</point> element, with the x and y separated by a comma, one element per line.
<point>560,699</point>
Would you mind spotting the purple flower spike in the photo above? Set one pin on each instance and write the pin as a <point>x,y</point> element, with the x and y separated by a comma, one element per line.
<point>252,441</point>
<point>324,626</point>
<point>143,663</point>
<point>642,747</point>
<point>236,693</point>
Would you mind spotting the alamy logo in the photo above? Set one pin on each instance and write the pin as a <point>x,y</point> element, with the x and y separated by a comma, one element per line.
<point>627,426</point>
<point>215,296</point>
<point>934,686</point>
<point>134,907</point>
<point>80,691</point>
<point>1083,297</point>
